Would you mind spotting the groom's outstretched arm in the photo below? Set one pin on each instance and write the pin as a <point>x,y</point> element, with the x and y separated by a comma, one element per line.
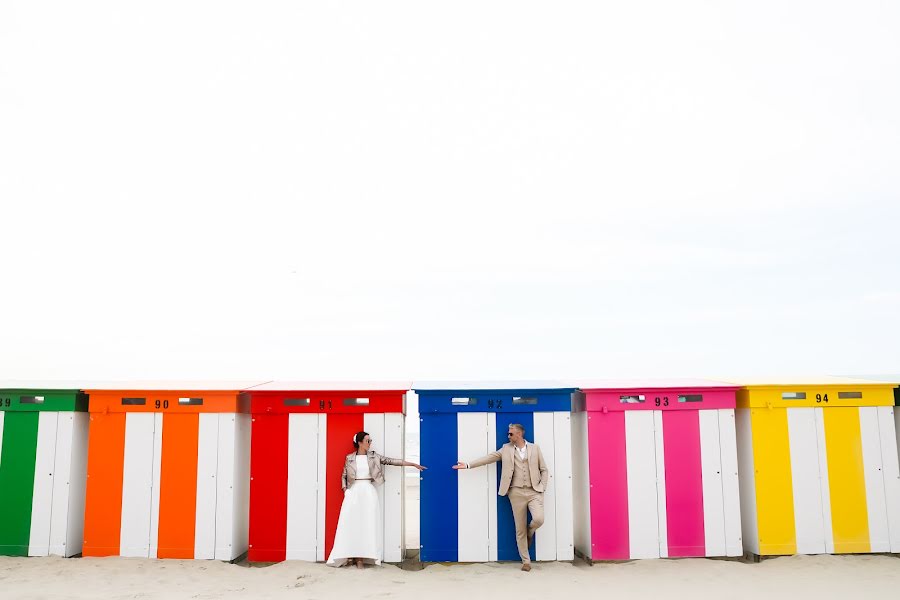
<point>480,462</point>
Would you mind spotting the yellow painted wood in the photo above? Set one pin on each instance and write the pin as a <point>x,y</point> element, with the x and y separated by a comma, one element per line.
<point>820,395</point>
<point>774,490</point>
<point>846,480</point>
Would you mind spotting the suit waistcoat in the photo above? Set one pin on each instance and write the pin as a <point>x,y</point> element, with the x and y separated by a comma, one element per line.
<point>521,473</point>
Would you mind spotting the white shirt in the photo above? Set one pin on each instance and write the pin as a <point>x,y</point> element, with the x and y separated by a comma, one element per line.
<point>523,451</point>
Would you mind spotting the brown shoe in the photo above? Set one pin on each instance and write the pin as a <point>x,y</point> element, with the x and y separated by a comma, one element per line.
<point>526,566</point>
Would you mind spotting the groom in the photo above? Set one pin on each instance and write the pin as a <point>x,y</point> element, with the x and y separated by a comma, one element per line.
<point>523,479</point>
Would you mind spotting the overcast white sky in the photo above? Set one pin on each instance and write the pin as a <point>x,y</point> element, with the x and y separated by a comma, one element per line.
<point>311,190</point>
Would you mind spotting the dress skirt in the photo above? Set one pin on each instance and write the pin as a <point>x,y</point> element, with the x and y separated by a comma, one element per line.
<point>359,532</point>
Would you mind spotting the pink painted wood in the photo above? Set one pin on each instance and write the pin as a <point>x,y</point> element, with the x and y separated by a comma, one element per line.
<point>613,398</point>
<point>609,486</point>
<point>684,483</point>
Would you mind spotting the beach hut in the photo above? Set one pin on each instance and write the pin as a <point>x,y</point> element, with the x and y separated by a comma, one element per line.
<point>462,518</point>
<point>818,466</point>
<point>893,380</point>
<point>655,470</point>
<point>168,470</point>
<point>302,432</point>
<point>43,452</point>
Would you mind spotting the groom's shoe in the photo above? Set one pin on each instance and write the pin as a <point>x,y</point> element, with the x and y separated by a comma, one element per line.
<point>526,566</point>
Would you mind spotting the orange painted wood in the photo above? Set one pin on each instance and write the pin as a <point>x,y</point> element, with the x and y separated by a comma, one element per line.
<point>103,501</point>
<point>178,486</point>
<point>167,401</point>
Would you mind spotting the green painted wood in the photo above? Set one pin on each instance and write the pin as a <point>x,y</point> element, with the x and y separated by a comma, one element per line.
<point>22,400</point>
<point>20,431</point>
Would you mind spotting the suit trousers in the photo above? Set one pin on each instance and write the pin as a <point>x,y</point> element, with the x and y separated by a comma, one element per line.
<point>523,501</point>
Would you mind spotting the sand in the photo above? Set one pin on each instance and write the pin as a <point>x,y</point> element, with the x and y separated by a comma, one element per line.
<point>797,577</point>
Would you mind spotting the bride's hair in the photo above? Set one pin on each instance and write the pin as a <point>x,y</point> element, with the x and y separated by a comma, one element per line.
<point>358,438</point>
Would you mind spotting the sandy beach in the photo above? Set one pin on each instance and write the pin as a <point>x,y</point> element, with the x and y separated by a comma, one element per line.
<point>120,578</point>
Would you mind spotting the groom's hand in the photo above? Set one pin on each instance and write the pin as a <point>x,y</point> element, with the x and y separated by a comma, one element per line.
<point>460,465</point>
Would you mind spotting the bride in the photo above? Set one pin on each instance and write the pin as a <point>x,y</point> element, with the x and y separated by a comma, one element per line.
<point>359,534</point>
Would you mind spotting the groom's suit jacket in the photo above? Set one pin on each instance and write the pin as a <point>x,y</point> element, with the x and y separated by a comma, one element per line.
<point>506,455</point>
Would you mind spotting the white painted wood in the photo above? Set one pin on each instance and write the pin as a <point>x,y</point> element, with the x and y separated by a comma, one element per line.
<point>661,511</point>
<point>491,488</point>
<point>473,510</point>
<point>394,489</point>
<point>889,459</point>
<point>581,490</point>
<point>155,483</point>
<point>225,470</point>
<point>62,465</point>
<point>302,488</point>
<point>207,466</point>
<point>373,424</point>
<point>711,481</point>
<point>876,509</point>
<point>77,484</point>
<point>338,386</point>
<point>545,537</point>
<point>819,418</point>
<point>640,464</point>
<point>565,519</point>
<point>731,493</point>
<point>2,416</point>
<point>808,521</point>
<point>746,480</point>
<point>171,385</point>
<point>240,504</point>
<point>42,496</point>
<point>137,485</point>
<point>489,384</point>
<point>320,478</point>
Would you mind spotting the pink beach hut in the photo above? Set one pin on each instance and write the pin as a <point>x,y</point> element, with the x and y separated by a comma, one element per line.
<point>655,470</point>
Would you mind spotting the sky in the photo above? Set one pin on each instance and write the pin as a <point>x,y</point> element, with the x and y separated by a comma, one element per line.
<point>467,190</point>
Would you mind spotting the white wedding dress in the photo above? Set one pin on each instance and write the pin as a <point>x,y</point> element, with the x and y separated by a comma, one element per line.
<point>359,533</point>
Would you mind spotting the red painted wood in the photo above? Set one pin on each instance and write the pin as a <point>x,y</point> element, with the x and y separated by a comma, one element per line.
<point>268,488</point>
<point>338,445</point>
<point>331,402</point>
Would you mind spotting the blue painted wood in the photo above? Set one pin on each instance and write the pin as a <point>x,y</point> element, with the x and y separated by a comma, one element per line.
<point>439,495</point>
<point>498,401</point>
<point>506,525</point>
<point>439,492</point>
